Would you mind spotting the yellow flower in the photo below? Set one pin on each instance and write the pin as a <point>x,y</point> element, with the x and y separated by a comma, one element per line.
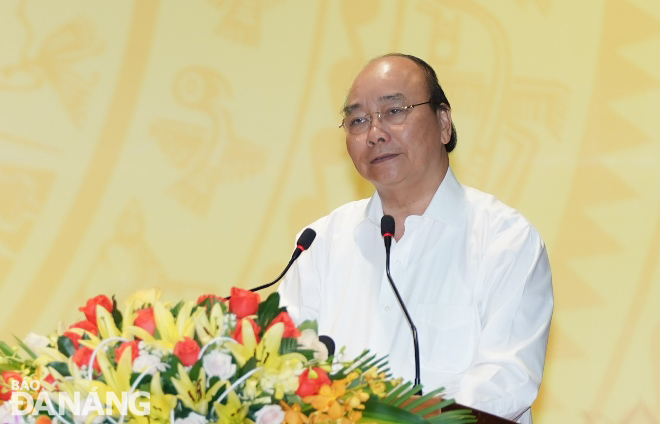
<point>356,399</point>
<point>293,414</point>
<point>233,412</point>
<point>194,395</point>
<point>141,299</point>
<point>161,404</point>
<point>171,330</point>
<point>278,373</point>
<point>378,388</point>
<point>327,400</point>
<point>211,326</point>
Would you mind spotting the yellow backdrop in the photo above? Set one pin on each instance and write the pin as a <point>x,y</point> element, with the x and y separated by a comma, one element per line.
<point>183,144</point>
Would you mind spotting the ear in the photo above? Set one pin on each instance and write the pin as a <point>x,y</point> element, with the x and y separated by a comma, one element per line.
<point>443,115</point>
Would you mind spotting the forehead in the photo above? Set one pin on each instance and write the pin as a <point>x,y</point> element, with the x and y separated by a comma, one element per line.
<point>386,79</point>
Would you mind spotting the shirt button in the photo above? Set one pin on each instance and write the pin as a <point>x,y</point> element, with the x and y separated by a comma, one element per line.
<point>397,263</point>
<point>386,309</point>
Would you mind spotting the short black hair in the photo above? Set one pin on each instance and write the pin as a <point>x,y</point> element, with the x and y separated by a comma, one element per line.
<point>437,97</point>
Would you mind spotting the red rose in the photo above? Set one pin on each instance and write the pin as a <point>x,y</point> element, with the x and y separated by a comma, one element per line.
<point>7,377</point>
<point>290,329</point>
<point>187,350</point>
<point>90,308</point>
<point>133,346</point>
<point>50,380</point>
<point>214,299</point>
<point>82,356</point>
<point>238,332</point>
<point>308,386</point>
<point>74,337</point>
<point>243,302</point>
<point>145,320</point>
<point>87,326</point>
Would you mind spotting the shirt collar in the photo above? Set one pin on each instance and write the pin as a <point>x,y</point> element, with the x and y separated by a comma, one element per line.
<point>446,205</point>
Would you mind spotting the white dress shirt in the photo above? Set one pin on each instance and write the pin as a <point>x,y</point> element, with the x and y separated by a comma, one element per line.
<point>474,275</point>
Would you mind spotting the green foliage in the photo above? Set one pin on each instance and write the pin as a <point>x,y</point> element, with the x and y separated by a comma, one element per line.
<point>25,348</point>
<point>116,315</point>
<point>175,310</point>
<point>60,367</point>
<point>268,310</point>
<point>309,324</point>
<point>65,346</point>
<point>6,349</point>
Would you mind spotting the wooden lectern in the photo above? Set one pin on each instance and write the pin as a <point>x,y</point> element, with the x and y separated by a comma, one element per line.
<point>482,417</point>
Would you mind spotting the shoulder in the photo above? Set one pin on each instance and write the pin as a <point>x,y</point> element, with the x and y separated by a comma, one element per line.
<point>344,219</point>
<point>496,220</point>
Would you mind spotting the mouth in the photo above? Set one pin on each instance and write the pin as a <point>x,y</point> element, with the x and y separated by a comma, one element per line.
<point>383,158</point>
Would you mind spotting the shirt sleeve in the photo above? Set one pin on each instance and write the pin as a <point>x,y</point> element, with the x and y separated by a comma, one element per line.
<point>516,309</point>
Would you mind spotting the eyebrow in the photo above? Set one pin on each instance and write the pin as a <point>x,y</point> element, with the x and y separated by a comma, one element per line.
<point>385,98</point>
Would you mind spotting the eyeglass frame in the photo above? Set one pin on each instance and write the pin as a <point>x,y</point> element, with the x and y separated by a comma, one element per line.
<point>405,108</point>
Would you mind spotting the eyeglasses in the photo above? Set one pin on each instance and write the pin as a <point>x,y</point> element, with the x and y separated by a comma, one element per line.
<point>359,124</point>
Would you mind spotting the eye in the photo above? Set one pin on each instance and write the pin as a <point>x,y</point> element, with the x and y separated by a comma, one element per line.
<point>357,121</point>
<point>394,111</point>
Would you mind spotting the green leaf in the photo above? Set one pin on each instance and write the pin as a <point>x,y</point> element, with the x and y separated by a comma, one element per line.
<point>175,310</point>
<point>309,324</point>
<point>249,366</point>
<point>60,367</point>
<point>116,315</point>
<point>462,416</point>
<point>6,349</point>
<point>374,410</point>
<point>415,403</point>
<point>268,309</point>
<point>288,345</point>
<point>65,346</point>
<point>194,371</point>
<point>25,348</point>
<point>391,399</point>
<point>145,382</point>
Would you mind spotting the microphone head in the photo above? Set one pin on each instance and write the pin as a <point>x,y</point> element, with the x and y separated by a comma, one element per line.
<point>329,344</point>
<point>387,226</point>
<point>306,238</point>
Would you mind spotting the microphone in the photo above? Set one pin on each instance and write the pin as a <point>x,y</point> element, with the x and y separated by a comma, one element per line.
<point>387,230</point>
<point>304,241</point>
<point>329,344</point>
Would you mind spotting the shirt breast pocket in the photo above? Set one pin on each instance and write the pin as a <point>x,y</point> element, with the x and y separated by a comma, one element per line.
<point>447,336</point>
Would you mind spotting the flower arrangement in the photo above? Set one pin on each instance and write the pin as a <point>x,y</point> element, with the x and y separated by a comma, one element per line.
<point>209,361</point>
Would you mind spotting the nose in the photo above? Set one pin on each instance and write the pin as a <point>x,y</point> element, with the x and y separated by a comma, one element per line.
<point>376,132</point>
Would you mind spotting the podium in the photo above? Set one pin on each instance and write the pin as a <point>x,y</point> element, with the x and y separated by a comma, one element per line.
<point>481,416</point>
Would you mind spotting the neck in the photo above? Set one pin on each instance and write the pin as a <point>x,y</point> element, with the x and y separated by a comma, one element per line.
<point>402,202</point>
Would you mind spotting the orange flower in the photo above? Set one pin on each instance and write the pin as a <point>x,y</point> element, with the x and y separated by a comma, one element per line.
<point>42,419</point>
<point>293,414</point>
<point>378,387</point>
<point>356,399</point>
<point>327,399</point>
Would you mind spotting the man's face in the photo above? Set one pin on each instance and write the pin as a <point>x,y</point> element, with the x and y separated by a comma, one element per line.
<point>403,155</point>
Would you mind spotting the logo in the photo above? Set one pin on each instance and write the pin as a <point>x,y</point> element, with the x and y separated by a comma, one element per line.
<point>101,403</point>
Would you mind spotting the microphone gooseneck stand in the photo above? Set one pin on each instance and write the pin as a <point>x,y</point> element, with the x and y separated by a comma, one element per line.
<point>387,230</point>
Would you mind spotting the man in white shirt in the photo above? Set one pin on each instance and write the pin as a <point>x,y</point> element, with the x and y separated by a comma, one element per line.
<point>473,273</point>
